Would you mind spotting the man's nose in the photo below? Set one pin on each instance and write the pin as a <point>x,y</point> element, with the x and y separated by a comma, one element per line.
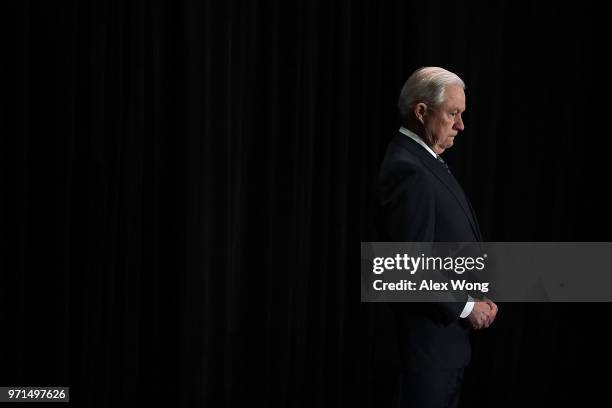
<point>459,123</point>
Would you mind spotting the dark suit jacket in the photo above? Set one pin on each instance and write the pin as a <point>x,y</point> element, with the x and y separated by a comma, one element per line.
<point>420,201</point>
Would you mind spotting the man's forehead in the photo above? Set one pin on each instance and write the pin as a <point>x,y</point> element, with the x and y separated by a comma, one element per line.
<point>454,96</point>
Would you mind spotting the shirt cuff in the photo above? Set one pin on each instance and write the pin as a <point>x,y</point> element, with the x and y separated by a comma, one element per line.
<point>467,309</point>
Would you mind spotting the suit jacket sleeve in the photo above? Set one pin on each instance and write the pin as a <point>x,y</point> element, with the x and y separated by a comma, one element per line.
<point>410,209</point>
<point>409,205</point>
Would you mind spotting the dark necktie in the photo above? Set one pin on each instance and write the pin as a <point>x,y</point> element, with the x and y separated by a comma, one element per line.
<point>443,163</point>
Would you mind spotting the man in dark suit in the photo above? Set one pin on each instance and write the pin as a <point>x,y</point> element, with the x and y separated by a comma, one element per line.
<point>421,201</point>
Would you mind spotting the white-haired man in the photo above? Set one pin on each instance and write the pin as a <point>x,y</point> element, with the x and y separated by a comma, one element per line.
<point>421,201</point>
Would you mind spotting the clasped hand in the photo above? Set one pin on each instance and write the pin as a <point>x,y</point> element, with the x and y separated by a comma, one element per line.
<point>483,314</point>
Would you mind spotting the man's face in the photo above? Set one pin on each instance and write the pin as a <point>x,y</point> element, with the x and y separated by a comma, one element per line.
<point>444,122</point>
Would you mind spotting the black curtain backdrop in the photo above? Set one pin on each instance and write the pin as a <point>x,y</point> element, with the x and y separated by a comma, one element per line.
<point>185,185</point>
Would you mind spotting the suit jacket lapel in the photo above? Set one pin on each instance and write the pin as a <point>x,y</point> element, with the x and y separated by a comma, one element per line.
<point>445,177</point>
<point>451,183</point>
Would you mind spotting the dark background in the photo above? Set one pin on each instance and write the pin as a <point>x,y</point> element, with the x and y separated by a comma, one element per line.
<point>185,186</point>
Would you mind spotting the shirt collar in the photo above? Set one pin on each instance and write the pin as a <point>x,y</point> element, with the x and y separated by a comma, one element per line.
<point>417,139</point>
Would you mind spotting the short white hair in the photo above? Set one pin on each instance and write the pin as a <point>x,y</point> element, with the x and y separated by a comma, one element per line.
<point>426,85</point>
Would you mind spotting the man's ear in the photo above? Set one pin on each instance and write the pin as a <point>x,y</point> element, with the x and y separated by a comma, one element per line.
<point>419,110</point>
